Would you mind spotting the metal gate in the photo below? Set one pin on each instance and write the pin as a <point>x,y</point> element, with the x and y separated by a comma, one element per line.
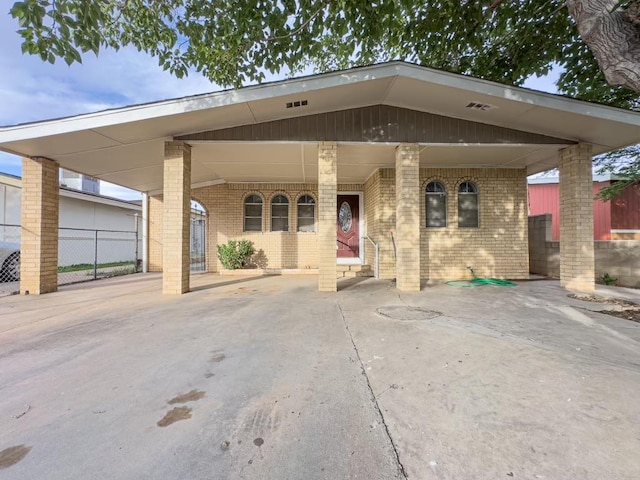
<point>198,243</point>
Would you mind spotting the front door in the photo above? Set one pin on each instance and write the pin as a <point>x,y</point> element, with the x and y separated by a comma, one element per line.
<point>348,226</point>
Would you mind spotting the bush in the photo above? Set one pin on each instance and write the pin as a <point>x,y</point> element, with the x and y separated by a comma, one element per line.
<point>235,253</point>
<point>608,279</point>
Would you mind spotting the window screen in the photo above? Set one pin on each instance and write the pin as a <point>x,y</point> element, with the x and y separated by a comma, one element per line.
<point>253,213</point>
<point>436,205</point>
<point>280,214</point>
<point>306,214</point>
<point>467,205</point>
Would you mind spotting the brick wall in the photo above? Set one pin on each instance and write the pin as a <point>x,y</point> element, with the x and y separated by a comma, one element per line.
<point>619,258</point>
<point>498,247</point>
<point>225,221</point>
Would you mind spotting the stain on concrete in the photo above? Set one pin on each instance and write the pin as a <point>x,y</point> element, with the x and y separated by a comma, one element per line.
<point>217,357</point>
<point>258,442</point>
<point>175,415</point>
<point>403,312</point>
<point>209,375</point>
<point>12,455</point>
<point>192,396</point>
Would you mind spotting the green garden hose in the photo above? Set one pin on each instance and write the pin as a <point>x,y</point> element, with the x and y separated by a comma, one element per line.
<point>479,281</point>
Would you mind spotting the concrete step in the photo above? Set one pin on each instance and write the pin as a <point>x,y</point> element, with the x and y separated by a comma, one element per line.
<point>354,268</point>
<point>354,271</point>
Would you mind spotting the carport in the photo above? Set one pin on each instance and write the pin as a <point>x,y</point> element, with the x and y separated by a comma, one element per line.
<point>385,132</point>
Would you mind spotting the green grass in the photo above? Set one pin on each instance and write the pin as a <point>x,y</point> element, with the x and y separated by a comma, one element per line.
<point>89,266</point>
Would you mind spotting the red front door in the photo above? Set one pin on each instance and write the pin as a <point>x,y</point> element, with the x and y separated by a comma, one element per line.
<point>348,226</point>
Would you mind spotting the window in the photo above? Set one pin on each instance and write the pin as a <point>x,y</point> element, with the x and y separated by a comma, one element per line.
<point>280,214</point>
<point>467,205</point>
<point>253,213</point>
<point>306,214</point>
<point>436,205</point>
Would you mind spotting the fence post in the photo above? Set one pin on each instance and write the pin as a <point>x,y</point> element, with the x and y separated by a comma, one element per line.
<point>135,265</point>
<point>95,255</point>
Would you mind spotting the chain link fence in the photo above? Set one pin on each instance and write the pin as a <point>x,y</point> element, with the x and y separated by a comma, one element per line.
<point>9,259</point>
<point>91,254</point>
<point>83,255</point>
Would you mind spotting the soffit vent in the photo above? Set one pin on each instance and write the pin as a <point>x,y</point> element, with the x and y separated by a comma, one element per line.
<point>483,107</point>
<point>297,103</point>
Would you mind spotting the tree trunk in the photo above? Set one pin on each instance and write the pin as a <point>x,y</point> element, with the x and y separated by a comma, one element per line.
<point>613,38</point>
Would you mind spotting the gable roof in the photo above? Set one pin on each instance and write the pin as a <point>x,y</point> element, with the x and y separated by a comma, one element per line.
<point>125,145</point>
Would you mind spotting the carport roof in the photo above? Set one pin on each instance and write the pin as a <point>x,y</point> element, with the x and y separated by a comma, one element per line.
<point>125,145</point>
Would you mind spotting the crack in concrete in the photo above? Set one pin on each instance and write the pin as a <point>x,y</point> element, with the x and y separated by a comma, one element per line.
<point>373,396</point>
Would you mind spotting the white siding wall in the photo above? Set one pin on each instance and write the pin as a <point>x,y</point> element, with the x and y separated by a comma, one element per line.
<point>79,246</point>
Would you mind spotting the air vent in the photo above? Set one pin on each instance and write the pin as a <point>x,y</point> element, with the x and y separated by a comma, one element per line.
<point>297,103</point>
<point>484,107</point>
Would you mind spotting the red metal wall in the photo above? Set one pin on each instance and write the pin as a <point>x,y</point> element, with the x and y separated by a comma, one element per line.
<point>545,198</point>
<point>625,209</point>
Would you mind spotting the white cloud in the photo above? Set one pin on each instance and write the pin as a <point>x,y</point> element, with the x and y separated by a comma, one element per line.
<point>33,90</point>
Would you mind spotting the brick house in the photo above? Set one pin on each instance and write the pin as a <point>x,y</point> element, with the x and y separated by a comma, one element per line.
<point>430,166</point>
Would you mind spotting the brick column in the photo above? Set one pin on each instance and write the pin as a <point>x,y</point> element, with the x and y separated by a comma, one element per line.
<point>577,271</point>
<point>39,243</point>
<point>327,207</point>
<point>407,218</point>
<point>176,223</point>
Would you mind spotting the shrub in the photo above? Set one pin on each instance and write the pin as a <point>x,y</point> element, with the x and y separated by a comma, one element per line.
<point>235,253</point>
<point>608,279</point>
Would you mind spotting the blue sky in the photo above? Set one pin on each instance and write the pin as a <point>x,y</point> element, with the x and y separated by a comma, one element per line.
<point>31,90</point>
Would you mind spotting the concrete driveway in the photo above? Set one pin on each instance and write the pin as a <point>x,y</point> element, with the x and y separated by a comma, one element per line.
<point>265,378</point>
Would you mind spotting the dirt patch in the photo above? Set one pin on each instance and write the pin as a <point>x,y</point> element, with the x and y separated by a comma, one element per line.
<point>175,415</point>
<point>605,300</point>
<point>12,455</point>
<point>627,310</point>
<point>632,314</point>
<point>191,396</point>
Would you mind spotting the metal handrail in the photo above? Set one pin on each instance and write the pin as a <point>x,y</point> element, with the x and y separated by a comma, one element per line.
<point>376,271</point>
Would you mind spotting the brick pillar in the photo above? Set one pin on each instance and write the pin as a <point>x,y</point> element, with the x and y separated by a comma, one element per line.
<point>327,206</point>
<point>176,223</point>
<point>155,233</point>
<point>577,270</point>
<point>39,243</point>
<point>407,218</point>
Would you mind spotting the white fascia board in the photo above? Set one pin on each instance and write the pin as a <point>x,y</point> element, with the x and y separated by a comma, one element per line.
<point>295,86</point>
<point>191,104</point>
<point>95,199</point>
<point>555,179</point>
<point>522,95</point>
<point>8,180</point>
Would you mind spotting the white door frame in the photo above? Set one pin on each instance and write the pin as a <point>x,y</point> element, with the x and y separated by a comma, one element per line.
<point>361,244</point>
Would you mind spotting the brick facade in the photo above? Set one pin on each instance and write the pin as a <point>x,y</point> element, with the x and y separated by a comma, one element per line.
<point>176,218</point>
<point>498,247</point>
<point>40,211</point>
<point>577,265</point>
